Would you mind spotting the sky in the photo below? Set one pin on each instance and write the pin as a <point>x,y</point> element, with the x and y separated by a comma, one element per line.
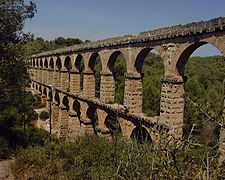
<point>100,19</point>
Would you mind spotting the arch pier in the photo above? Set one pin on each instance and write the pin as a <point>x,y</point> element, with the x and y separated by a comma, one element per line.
<point>71,71</point>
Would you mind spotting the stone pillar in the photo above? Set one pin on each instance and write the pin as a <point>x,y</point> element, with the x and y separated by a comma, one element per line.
<point>37,74</point>
<point>107,89</point>
<point>89,84</point>
<point>74,127</point>
<point>44,76</point>
<point>55,116</point>
<point>133,93</point>
<point>48,103</point>
<point>172,104</point>
<point>64,80</point>
<point>41,75</point>
<point>57,79</point>
<point>63,122</point>
<point>50,76</point>
<point>74,82</point>
<point>34,73</point>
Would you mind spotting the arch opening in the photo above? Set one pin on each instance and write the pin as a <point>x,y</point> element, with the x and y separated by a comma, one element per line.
<point>150,66</point>
<point>79,64</point>
<point>93,116</point>
<point>57,98</point>
<point>59,63</point>
<point>117,65</point>
<point>141,135</point>
<point>51,63</point>
<point>65,102</point>
<point>41,63</point>
<point>112,123</point>
<point>202,65</point>
<point>37,64</point>
<point>96,67</point>
<point>46,63</point>
<point>77,108</point>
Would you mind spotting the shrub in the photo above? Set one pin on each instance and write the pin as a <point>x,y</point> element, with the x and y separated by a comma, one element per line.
<point>92,157</point>
<point>5,150</point>
<point>44,115</point>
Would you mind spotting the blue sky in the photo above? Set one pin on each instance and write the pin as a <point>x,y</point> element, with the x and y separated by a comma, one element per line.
<point>99,19</point>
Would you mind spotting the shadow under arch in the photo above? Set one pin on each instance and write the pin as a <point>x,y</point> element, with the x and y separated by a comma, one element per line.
<point>57,98</point>
<point>93,116</point>
<point>95,65</point>
<point>77,109</point>
<point>65,102</point>
<point>79,64</point>
<point>59,63</point>
<point>33,63</point>
<point>118,66</point>
<point>45,92</point>
<point>141,135</point>
<point>112,123</point>
<point>67,63</point>
<point>46,63</point>
<point>51,63</point>
<point>41,63</point>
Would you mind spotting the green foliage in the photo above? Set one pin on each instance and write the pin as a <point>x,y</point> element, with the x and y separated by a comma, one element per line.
<point>119,77</point>
<point>92,157</point>
<point>44,115</point>
<point>153,70</point>
<point>40,45</point>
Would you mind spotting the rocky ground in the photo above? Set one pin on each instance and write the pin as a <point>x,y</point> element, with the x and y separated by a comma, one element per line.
<point>5,171</point>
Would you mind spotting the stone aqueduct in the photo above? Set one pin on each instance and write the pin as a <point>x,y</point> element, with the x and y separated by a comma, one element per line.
<point>74,110</point>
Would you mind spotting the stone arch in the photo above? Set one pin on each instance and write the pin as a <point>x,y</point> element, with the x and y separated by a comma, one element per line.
<point>57,98</point>
<point>141,135</point>
<point>45,91</point>
<point>65,103</point>
<point>118,82</point>
<point>190,98</point>
<point>77,108</point>
<point>79,65</point>
<point>148,85</point>
<point>41,63</point>
<point>67,63</point>
<point>93,116</point>
<point>46,63</point>
<point>36,87</point>
<point>40,89</point>
<point>95,66</point>
<point>51,63</point>
<point>59,63</point>
<point>33,62</point>
<point>183,58</point>
<point>112,123</point>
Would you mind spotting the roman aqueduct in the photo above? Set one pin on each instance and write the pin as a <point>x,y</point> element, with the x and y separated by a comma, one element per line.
<point>74,108</point>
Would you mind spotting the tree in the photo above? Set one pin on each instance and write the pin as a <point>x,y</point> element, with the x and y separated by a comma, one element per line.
<point>14,76</point>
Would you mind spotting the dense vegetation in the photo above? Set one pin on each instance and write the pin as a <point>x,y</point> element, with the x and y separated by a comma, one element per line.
<point>92,157</point>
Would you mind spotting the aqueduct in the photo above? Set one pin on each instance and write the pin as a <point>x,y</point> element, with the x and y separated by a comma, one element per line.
<point>76,110</point>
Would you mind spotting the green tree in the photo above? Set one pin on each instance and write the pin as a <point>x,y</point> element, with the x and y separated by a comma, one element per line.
<point>13,76</point>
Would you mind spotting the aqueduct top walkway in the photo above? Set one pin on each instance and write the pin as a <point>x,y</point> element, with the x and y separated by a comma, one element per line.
<point>74,108</point>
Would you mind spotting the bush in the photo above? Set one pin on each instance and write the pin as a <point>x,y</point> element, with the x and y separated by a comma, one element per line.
<point>44,115</point>
<point>92,157</point>
<point>5,150</point>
